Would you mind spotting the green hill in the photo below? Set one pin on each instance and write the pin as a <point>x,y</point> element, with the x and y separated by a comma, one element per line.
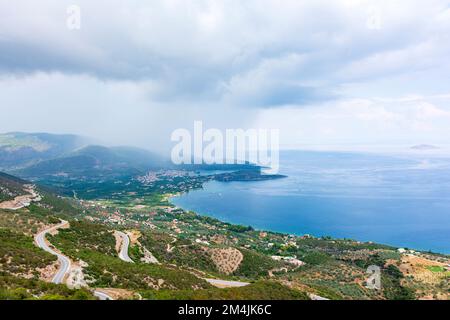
<point>95,161</point>
<point>19,150</point>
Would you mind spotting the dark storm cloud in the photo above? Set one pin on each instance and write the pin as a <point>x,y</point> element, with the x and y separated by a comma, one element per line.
<point>256,54</point>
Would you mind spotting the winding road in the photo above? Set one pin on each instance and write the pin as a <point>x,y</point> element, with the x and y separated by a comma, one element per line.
<point>123,252</point>
<point>226,283</point>
<point>64,262</point>
<point>316,297</point>
<point>102,295</point>
<point>22,201</point>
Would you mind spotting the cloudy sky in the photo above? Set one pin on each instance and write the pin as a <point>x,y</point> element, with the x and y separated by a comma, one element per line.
<point>345,72</point>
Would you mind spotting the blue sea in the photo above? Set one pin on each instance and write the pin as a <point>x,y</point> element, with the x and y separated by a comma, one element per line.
<point>400,200</point>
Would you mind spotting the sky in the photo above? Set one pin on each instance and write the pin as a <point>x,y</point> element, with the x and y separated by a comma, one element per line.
<point>348,72</point>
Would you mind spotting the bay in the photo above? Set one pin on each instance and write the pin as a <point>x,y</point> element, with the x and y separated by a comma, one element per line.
<point>400,200</point>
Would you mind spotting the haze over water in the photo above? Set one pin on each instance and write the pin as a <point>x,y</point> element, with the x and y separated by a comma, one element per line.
<point>401,200</point>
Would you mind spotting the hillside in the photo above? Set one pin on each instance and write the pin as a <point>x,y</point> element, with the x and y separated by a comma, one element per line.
<point>176,254</point>
<point>68,164</point>
<point>25,269</point>
<point>95,161</point>
<point>10,187</point>
<point>18,149</point>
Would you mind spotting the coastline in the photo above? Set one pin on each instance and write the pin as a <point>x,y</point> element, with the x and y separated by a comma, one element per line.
<point>170,197</point>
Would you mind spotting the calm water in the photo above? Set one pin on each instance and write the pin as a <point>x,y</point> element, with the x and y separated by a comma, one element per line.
<point>398,200</point>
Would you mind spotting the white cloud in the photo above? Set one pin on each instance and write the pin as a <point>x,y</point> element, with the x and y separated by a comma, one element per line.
<point>405,120</point>
<point>224,62</point>
<point>193,47</point>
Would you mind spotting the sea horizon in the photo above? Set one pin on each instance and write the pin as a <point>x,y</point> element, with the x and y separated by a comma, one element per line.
<point>399,200</point>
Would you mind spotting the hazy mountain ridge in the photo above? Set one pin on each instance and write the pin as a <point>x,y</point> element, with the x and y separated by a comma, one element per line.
<point>36,155</point>
<point>40,154</point>
<point>19,149</point>
<point>96,160</point>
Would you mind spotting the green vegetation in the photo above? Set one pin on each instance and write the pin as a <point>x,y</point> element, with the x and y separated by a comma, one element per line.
<point>135,253</point>
<point>15,288</point>
<point>19,255</point>
<point>59,206</point>
<point>255,265</point>
<point>182,254</point>
<point>326,292</point>
<point>316,258</point>
<point>24,221</point>
<point>391,284</point>
<point>95,245</point>
<point>10,187</point>
<point>82,237</point>
<point>436,269</point>
<point>239,228</point>
<point>263,290</point>
<point>183,242</point>
<point>111,272</point>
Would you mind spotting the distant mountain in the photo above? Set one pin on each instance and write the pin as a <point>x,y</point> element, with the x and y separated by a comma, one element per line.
<point>424,147</point>
<point>95,161</point>
<point>34,155</point>
<point>39,156</point>
<point>19,150</point>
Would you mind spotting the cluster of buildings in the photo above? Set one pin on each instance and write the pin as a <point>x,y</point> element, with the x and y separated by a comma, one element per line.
<point>406,251</point>
<point>116,218</point>
<point>291,260</point>
<point>153,176</point>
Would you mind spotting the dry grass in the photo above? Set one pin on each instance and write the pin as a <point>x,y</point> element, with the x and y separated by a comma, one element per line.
<point>419,268</point>
<point>227,260</point>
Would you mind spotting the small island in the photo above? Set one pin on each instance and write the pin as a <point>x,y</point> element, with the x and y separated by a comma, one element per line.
<point>424,147</point>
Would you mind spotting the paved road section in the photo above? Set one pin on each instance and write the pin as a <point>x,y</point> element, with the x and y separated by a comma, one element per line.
<point>64,262</point>
<point>123,253</point>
